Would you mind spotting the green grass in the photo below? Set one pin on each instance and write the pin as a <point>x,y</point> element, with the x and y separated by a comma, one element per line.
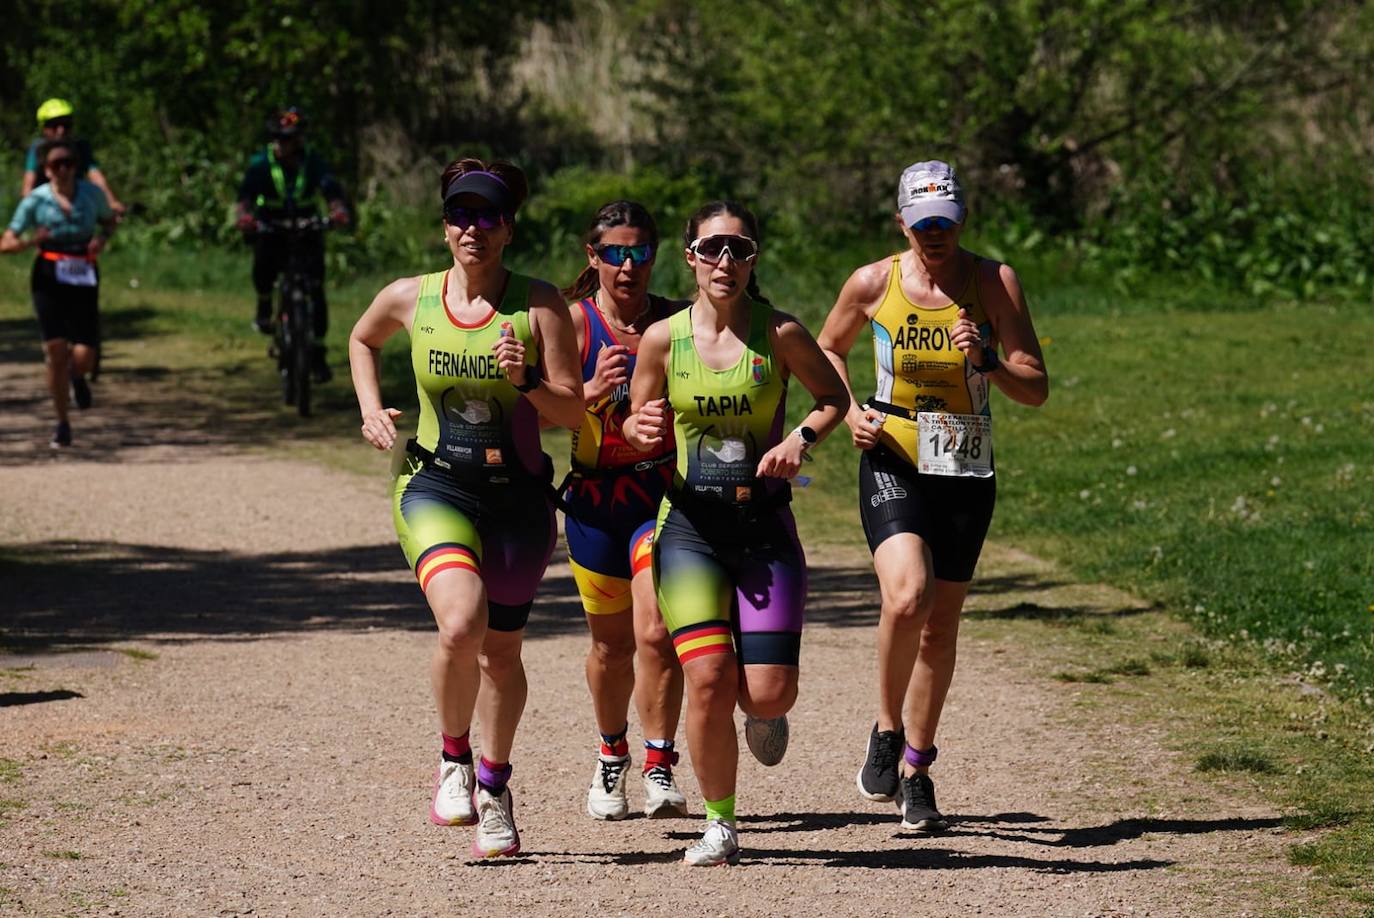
<point>66,855</point>
<point>10,772</point>
<point>1236,760</point>
<point>136,653</point>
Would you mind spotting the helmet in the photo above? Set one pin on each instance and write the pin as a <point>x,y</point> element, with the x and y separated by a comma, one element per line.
<point>286,123</point>
<point>54,108</point>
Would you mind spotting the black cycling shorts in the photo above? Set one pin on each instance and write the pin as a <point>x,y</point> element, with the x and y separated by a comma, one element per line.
<point>951,515</point>
<point>64,311</point>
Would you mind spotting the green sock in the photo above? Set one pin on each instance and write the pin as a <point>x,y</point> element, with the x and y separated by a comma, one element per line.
<point>721,809</point>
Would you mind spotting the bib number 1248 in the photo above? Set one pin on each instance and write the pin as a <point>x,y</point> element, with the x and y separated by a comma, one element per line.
<point>955,445</point>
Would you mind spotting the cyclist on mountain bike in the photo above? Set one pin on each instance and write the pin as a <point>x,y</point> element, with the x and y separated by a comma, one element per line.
<point>287,178</point>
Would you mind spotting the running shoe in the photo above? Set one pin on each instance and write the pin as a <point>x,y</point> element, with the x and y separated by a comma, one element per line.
<point>262,321</point>
<point>453,795</point>
<point>81,392</point>
<point>662,799</point>
<point>878,779</point>
<point>918,805</point>
<point>767,739</point>
<point>606,797</point>
<point>496,833</point>
<point>720,845</point>
<point>61,436</point>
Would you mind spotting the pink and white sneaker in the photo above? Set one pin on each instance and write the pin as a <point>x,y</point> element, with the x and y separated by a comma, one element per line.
<point>496,834</point>
<point>453,804</point>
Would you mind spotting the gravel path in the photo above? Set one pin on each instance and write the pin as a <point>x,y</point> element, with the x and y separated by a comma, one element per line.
<point>217,703</point>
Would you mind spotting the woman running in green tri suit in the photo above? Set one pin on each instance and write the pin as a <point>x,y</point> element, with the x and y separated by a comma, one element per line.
<point>926,488</point>
<point>491,351</point>
<point>730,574</point>
<point>610,502</point>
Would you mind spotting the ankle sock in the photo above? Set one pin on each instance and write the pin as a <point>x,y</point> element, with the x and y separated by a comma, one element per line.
<point>918,758</point>
<point>615,744</point>
<point>659,752</point>
<point>493,776</point>
<point>723,810</point>
<point>457,748</point>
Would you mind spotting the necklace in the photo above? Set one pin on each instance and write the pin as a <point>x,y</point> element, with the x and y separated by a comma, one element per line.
<point>628,327</point>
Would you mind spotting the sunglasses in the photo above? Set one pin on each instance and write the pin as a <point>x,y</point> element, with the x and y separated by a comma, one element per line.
<point>58,123</point>
<point>711,249</point>
<point>926,224</point>
<point>64,162</point>
<point>486,218</point>
<point>617,255</point>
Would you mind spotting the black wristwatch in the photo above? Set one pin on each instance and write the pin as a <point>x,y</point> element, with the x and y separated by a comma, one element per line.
<point>990,361</point>
<point>531,382</point>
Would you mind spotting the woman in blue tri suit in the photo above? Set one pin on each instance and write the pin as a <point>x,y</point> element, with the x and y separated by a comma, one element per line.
<point>611,499</point>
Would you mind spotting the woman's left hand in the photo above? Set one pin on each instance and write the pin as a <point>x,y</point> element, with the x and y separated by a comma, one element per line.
<point>510,355</point>
<point>783,460</point>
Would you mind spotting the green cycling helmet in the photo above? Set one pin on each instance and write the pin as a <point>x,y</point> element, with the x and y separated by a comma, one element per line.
<point>54,108</point>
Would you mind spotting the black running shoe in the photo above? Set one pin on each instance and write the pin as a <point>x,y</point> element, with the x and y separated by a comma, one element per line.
<point>918,805</point>
<point>62,436</point>
<point>877,780</point>
<point>81,392</point>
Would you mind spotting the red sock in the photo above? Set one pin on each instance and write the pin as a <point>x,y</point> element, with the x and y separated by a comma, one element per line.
<point>457,748</point>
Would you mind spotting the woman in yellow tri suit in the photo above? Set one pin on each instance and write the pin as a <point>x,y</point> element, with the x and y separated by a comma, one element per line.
<point>491,350</point>
<point>728,569</point>
<point>939,315</point>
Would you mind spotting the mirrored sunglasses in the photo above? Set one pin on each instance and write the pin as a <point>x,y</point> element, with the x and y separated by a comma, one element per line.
<point>926,224</point>
<point>711,249</point>
<point>616,255</point>
<point>486,218</point>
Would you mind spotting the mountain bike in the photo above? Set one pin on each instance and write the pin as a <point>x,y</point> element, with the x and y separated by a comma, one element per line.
<point>298,297</point>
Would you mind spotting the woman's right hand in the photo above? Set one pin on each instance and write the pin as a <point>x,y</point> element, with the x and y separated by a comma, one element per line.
<point>378,428</point>
<point>647,427</point>
<point>865,424</point>
<point>611,364</point>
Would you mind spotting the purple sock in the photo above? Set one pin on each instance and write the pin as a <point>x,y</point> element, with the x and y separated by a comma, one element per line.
<point>492,776</point>
<point>918,759</point>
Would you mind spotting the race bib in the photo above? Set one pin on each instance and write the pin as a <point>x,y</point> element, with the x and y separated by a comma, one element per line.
<point>75,272</point>
<point>954,445</point>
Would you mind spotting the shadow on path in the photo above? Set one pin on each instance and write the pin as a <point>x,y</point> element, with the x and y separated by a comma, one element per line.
<point>64,596</point>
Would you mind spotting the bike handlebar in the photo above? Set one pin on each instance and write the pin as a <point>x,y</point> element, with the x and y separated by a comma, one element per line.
<point>286,225</point>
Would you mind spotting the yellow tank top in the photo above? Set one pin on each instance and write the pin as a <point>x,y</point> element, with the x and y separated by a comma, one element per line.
<point>917,367</point>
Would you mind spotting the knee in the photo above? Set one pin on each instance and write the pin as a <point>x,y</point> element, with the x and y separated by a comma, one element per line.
<point>501,665</point>
<point>939,637</point>
<point>461,636</point>
<point>613,654</point>
<point>771,698</point>
<point>910,605</point>
<point>56,351</point>
<point>715,688</point>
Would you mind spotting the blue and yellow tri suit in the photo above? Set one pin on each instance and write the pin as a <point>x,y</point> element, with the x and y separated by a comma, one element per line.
<point>474,492</point>
<point>613,491</point>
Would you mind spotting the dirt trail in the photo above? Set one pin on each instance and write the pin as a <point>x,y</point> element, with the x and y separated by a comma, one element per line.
<point>217,703</point>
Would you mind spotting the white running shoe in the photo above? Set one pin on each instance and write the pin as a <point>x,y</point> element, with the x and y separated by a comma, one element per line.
<point>452,804</point>
<point>496,833</point>
<point>606,797</point>
<point>720,845</point>
<point>767,739</point>
<point>662,799</point>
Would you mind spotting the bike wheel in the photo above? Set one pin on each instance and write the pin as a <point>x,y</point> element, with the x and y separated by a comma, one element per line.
<point>285,343</point>
<point>301,354</point>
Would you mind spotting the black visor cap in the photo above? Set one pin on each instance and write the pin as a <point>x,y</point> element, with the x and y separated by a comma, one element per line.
<point>486,186</point>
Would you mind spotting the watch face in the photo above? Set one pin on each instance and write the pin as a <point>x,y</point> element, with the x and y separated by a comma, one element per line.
<point>807,434</point>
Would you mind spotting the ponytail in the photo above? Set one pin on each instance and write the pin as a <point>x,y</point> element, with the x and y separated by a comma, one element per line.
<point>587,283</point>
